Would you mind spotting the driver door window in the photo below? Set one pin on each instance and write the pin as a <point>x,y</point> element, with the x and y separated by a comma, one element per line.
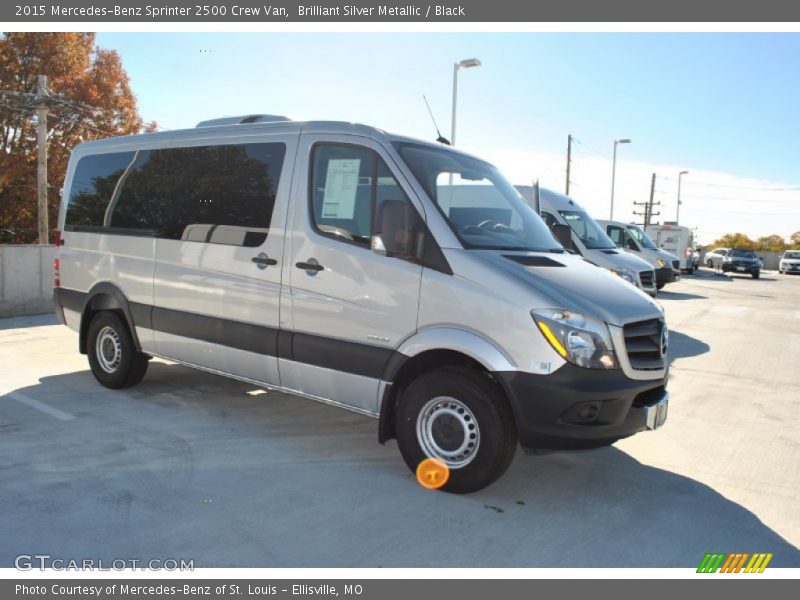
<point>355,196</point>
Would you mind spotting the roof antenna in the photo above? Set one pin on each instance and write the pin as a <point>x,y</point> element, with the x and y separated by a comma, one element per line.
<point>441,139</point>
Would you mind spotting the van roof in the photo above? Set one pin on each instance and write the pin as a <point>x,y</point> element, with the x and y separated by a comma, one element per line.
<point>556,200</point>
<point>248,126</point>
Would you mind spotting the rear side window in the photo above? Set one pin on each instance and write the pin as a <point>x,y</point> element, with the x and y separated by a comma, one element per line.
<point>93,186</point>
<point>221,194</point>
<point>214,194</point>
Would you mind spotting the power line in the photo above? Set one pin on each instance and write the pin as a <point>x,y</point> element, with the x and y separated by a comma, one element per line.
<point>738,187</point>
<point>588,147</point>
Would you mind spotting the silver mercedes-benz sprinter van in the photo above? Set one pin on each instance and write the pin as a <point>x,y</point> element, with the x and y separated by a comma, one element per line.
<point>590,241</point>
<point>361,269</point>
<point>634,239</point>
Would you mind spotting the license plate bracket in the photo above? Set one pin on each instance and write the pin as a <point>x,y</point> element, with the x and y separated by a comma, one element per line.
<point>656,414</point>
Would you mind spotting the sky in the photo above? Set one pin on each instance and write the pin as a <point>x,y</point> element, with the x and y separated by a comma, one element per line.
<point>722,106</point>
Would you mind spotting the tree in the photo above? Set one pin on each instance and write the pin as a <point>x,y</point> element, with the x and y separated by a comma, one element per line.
<point>734,240</point>
<point>101,105</point>
<point>795,240</point>
<point>771,243</point>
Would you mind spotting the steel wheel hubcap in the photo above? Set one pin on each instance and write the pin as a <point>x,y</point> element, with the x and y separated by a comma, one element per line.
<point>447,430</point>
<point>108,349</point>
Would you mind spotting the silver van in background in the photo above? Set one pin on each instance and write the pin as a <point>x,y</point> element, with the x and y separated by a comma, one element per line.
<point>362,269</point>
<point>589,239</point>
<point>634,239</point>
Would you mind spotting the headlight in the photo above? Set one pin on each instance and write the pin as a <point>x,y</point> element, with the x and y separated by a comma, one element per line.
<point>660,263</point>
<point>581,340</point>
<point>626,274</point>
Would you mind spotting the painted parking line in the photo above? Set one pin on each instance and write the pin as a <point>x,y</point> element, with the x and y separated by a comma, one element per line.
<point>40,406</point>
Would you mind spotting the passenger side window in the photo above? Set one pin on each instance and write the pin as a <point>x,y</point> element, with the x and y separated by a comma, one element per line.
<point>616,234</point>
<point>342,192</point>
<point>222,194</point>
<point>354,196</point>
<point>549,220</point>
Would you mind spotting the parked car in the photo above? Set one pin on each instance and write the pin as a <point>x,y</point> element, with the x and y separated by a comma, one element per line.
<point>715,257</point>
<point>790,262</point>
<point>633,239</point>
<point>344,264</point>
<point>740,260</point>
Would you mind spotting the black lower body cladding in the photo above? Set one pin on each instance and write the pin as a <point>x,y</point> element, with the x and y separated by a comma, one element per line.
<point>575,408</point>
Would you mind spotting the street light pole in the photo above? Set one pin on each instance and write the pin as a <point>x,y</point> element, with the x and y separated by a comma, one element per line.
<point>614,172</point>
<point>678,209</point>
<point>467,63</point>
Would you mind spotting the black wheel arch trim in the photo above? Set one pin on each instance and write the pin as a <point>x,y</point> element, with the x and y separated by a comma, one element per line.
<point>102,296</point>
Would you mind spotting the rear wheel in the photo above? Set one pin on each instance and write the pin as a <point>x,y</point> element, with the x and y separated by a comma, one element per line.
<point>709,264</point>
<point>460,417</point>
<point>756,274</point>
<point>113,357</point>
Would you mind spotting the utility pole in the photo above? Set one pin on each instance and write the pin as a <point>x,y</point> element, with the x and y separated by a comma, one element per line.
<point>41,148</point>
<point>647,214</point>
<point>569,160</point>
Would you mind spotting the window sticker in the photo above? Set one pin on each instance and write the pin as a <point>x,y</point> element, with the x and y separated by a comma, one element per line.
<point>341,185</point>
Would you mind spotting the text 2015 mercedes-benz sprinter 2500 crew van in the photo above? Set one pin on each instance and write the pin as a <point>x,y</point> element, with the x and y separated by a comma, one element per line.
<point>590,241</point>
<point>633,238</point>
<point>341,263</point>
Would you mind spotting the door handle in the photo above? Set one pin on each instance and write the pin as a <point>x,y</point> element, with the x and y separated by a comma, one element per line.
<point>311,266</point>
<point>262,260</point>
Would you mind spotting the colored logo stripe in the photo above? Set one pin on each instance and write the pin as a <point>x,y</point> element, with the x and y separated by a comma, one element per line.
<point>734,562</point>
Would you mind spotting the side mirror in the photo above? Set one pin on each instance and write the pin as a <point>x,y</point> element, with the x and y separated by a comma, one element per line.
<point>563,234</point>
<point>378,247</point>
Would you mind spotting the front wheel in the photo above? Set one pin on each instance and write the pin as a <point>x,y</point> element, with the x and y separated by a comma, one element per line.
<point>462,418</point>
<point>756,274</point>
<point>113,357</point>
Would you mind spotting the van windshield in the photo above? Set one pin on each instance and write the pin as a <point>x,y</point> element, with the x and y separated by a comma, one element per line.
<point>590,233</point>
<point>644,239</point>
<point>482,208</point>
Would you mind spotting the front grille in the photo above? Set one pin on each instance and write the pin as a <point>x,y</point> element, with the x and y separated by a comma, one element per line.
<point>676,264</point>
<point>643,341</point>
<point>646,277</point>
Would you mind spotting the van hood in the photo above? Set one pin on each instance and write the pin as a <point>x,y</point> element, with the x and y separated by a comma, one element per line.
<point>571,282</point>
<point>668,256</point>
<point>623,259</point>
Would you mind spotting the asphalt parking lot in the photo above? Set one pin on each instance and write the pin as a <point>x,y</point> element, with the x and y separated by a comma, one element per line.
<point>189,465</point>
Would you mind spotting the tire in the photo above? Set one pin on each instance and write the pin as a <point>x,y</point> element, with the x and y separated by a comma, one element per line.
<point>113,357</point>
<point>660,286</point>
<point>756,274</point>
<point>439,407</point>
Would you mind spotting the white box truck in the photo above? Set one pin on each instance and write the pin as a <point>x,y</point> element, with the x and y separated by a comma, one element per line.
<point>675,239</point>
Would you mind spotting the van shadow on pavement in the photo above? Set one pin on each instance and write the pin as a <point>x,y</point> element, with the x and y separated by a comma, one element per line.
<point>191,465</point>
<point>667,295</point>
<point>685,346</point>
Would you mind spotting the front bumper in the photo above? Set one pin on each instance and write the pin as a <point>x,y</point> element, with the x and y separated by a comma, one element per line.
<point>666,275</point>
<point>575,408</point>
<point>728,267</point>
